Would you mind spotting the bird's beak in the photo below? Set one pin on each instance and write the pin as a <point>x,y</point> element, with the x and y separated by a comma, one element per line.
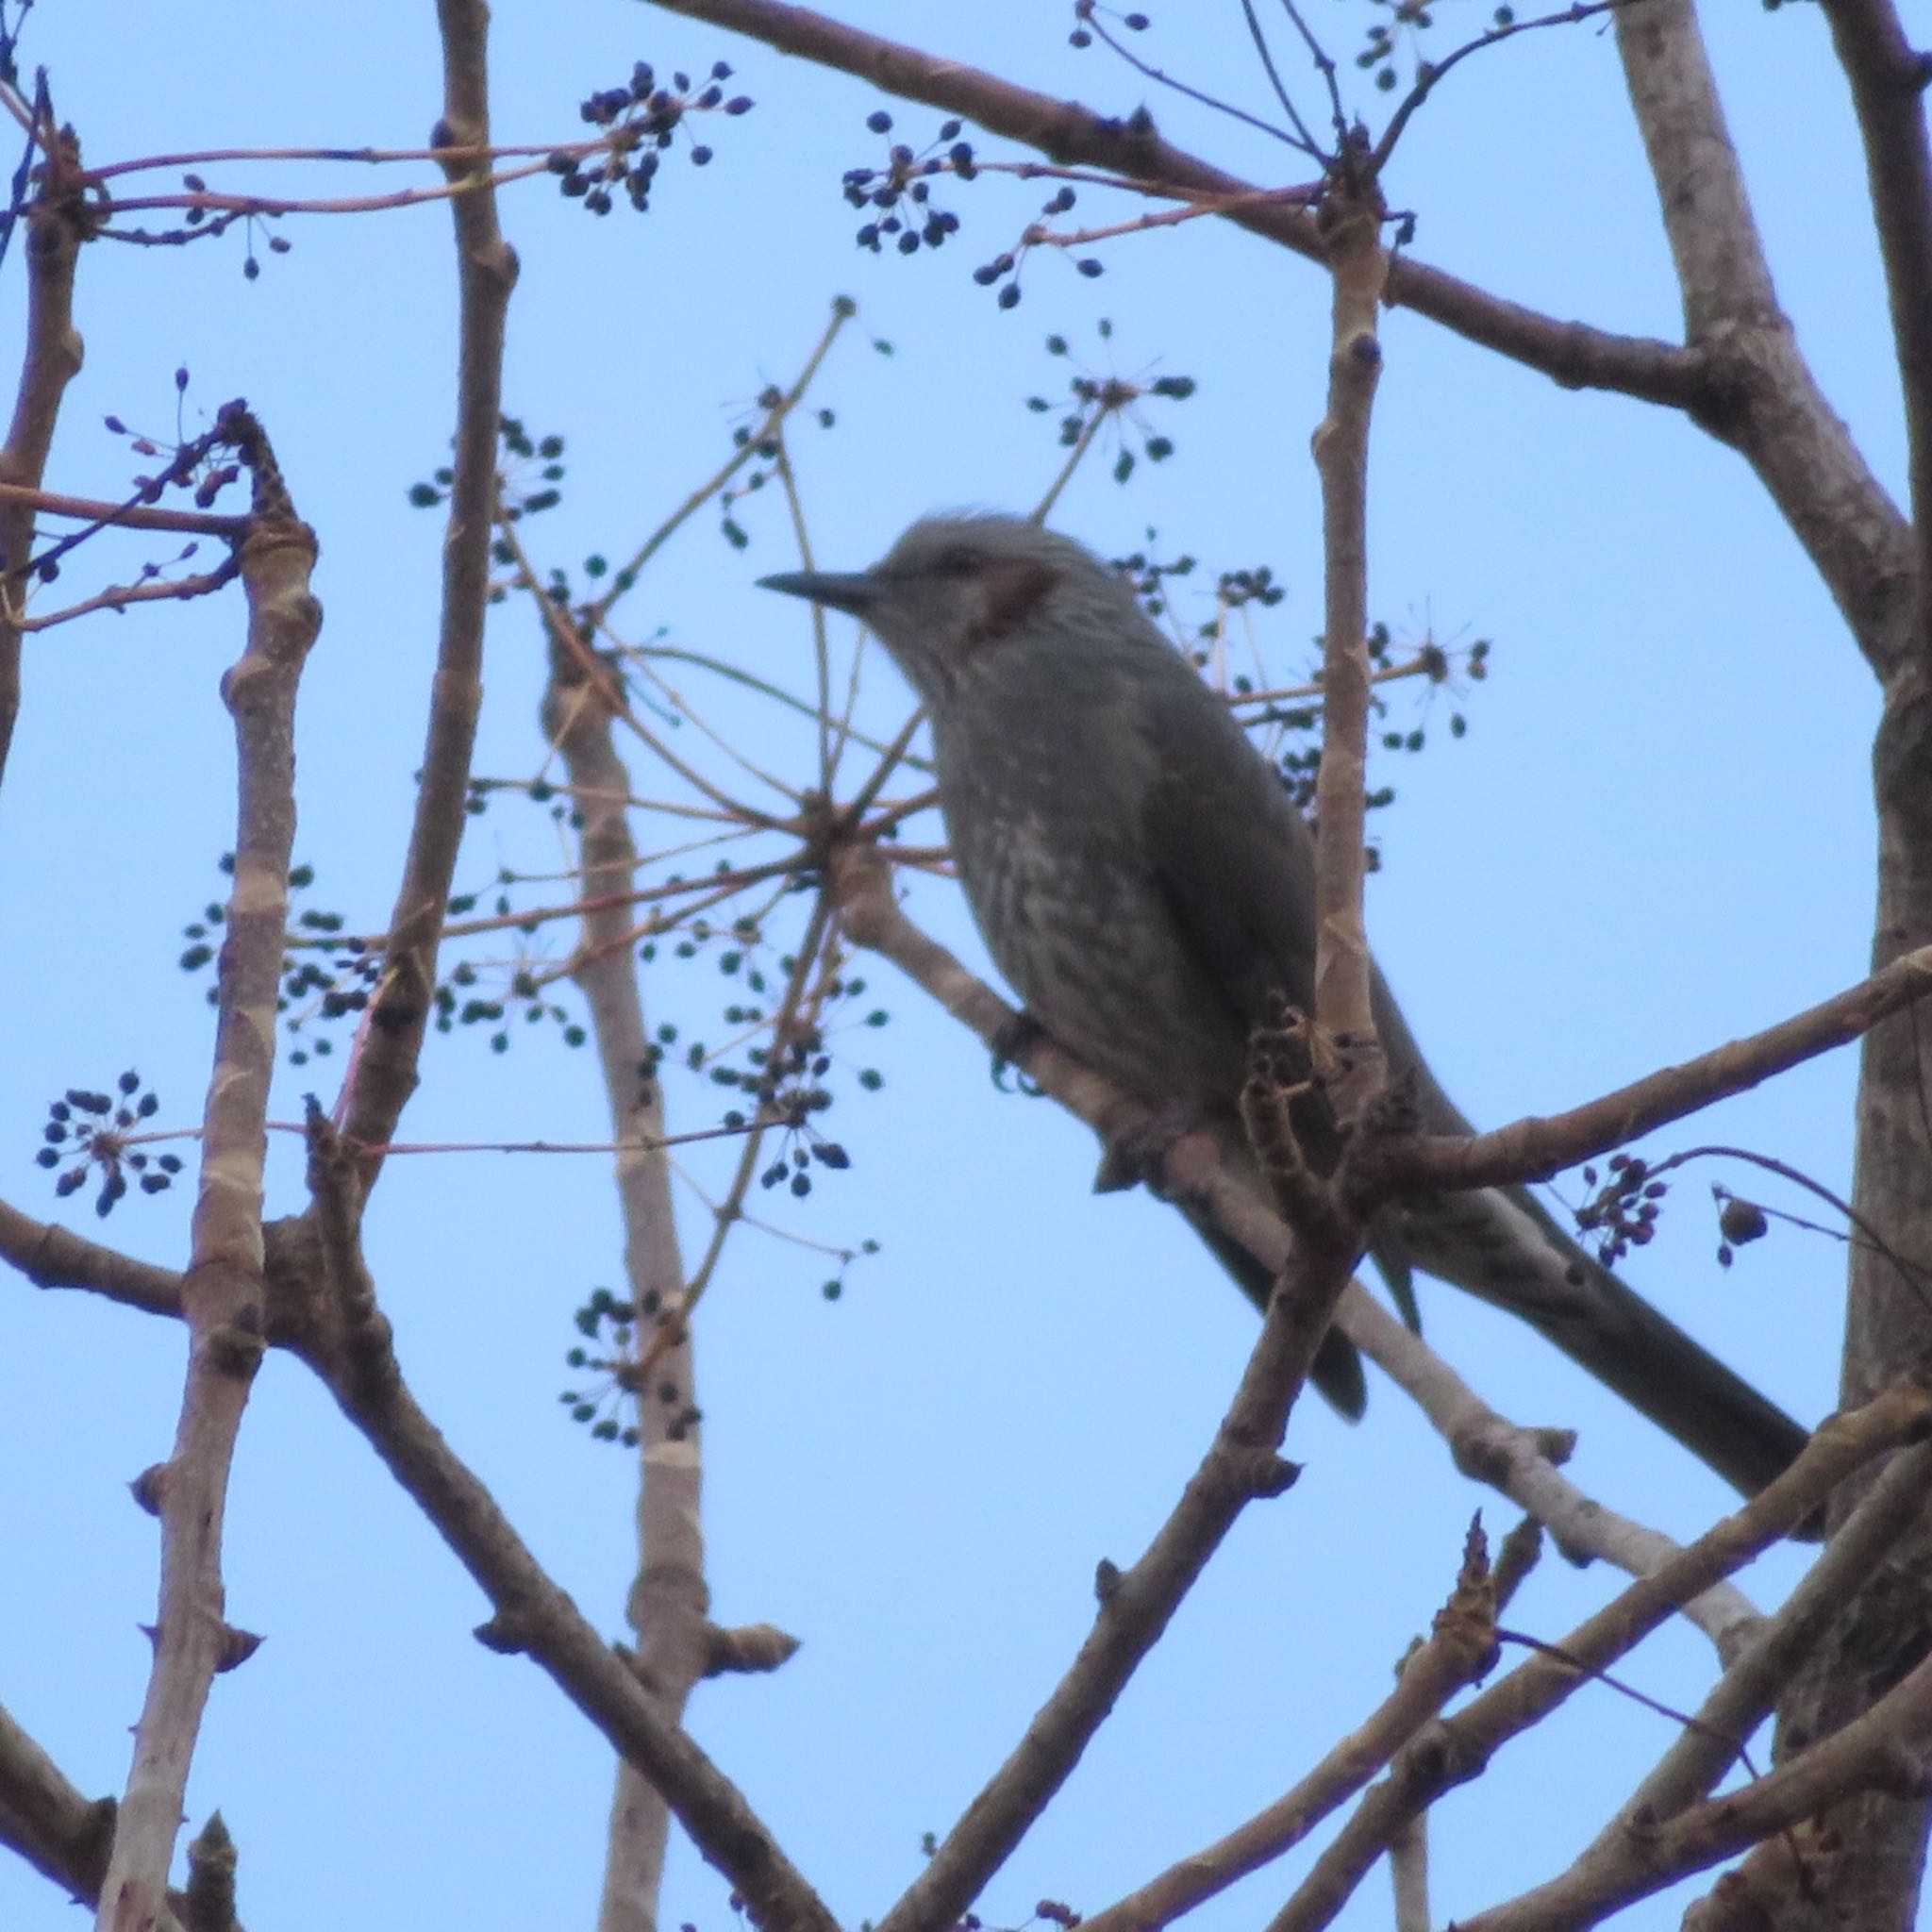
<point>855,592</point>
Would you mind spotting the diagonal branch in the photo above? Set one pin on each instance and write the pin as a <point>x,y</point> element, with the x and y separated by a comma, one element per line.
<point>532,1615</point>
<point>1884,1749</point>
<point>1460,1649</point>
<point>1136,1605</point>
<point>1571,353</point>
<point>50,1255</point>
<point>1522,1464</point>
<point>1722,274</point>
<point>1458,1749</point>
<point>58,1830</point>
<point>1536,1147</point>
<point>1746,1692</point>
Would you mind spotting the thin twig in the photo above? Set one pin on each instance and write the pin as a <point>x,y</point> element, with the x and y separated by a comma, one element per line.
<point>1091,20</point>
<point>597,614</point>
<point>124,596</point>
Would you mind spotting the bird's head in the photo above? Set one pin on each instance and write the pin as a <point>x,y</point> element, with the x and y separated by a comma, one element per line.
<point>956,587</point>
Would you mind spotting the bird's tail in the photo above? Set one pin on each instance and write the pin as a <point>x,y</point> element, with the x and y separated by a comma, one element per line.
<point>1336,1372</point>
<point>1501,1245</point>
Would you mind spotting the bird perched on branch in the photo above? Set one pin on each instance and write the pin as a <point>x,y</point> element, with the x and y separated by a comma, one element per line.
<point>1143,880</point>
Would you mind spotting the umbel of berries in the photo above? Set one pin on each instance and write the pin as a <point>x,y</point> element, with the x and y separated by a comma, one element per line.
<point>88,1133</point>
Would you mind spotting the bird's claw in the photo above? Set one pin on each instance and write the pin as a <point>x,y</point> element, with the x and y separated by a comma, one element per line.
<point>1015,1039</point>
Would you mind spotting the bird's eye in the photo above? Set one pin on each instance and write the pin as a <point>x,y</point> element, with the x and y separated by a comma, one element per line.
<point>959,563</point>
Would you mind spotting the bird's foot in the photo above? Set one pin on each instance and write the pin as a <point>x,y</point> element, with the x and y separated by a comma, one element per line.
<point>1016,1038</point>
<point>1142,1151</point>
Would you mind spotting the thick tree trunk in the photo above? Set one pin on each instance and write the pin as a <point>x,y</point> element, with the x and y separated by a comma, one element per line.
<point>1865,1861</point>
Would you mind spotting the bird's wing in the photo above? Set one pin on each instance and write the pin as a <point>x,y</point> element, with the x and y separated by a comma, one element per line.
<point>1228,857</point>
<point>1233,863</point>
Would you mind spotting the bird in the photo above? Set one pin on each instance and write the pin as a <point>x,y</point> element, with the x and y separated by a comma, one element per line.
<point>1143,880</point>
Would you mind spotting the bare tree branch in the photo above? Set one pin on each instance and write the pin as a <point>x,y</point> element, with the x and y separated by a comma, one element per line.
<point>1884,1749</point>
<point>50,1255</point>
<point>1721,271</point>
<point>1522,1464</point>
<point>1747,1690</point>
<point>1359,270</point>
<point>1460,1649</point>
<point>1459,1748</point>
<point>1571,353</point>
<point>56,223</point>
<point>56,1829</point>
<point>1136,1605</point>
<point>123,516</point>
<point>486,272</point>
<point>223,1290</point>
<point>1875,566</point>
<point>1540,1145</point>
<point>1770,408</point>
<point>1888,79</point>
<point>534,1616</point>
<point>669,1599</point>
<point>1409,1873</point>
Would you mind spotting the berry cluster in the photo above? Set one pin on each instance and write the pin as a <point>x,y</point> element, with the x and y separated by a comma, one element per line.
<point>523,493</point>
<point>640,120</point>
<point>601,1407</point>
<point>1100,399</point>
<point>1003,271</point>
<point>88,1132</point>
<point>192,465</point>
<point>313,986</point>
<point>1623,1212</point>
<point>1084,10</point>
<point>897,198</point>
<point>464,1000</point>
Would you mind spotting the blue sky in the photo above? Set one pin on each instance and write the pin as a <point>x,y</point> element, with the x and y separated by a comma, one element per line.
<point>1655,836</point>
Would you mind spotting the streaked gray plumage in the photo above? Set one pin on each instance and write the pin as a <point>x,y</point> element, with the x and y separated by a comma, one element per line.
<point>1144,882</point>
